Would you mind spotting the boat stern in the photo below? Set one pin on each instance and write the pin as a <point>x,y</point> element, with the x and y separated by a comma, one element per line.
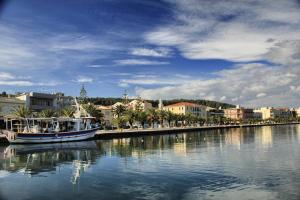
<point>10,135</point>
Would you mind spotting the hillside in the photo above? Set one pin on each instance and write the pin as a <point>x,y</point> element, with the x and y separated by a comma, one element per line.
<point>110,101</point>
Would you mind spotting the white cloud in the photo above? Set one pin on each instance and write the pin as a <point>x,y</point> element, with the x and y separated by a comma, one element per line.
<point>8,79</point>
<point>237,31</point>
<point>140,62</point>
<point>261,95</point>
<point>155,79</point>
<point>16,83</point>
<point>223,98</point>
<point>158,52</point>
<point>124,85</point>
<point>230,30</point>
<point>97,66</point>
<point>84,79</point>
<point>6,76</point>
<point>246,84</point>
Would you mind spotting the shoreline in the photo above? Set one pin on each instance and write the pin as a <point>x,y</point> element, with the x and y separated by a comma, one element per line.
<point>127,133</point>
<point>106,135</point>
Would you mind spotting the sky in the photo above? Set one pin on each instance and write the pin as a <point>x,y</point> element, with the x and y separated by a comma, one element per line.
<point>244,52</point>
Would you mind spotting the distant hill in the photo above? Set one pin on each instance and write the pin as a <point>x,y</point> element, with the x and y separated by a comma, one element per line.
<point>111,101</point>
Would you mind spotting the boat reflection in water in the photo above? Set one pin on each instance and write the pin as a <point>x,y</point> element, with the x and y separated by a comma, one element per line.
<point>247,163</point>
<point>38,158</point>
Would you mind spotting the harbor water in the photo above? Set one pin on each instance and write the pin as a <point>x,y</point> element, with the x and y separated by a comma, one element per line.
<point>238,163</point>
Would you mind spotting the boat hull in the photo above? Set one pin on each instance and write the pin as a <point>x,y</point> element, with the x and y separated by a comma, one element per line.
<point>34,138</point>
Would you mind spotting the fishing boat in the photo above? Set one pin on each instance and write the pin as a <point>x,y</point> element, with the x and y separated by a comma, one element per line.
<point>48,130</point>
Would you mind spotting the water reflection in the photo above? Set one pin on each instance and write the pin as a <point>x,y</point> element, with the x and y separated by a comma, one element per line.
<point>261,161</point>
<point>35,159</point>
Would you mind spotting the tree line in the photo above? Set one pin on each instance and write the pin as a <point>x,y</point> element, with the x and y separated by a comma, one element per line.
<point>110,101</point>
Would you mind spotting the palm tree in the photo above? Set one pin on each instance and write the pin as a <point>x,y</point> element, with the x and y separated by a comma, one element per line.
<point>189,118</point>
<point>68,112</point>
<point>162,116</point>
<point>142,118</point>
<point>181,117</point>
<point>48,113</point>
<point>119,121</point>
<point>93,111</point>
<point>169,117</point>
<point>130,116</point>
<point>22,112</point>
<point>119,110</point>
<point>152,116</point>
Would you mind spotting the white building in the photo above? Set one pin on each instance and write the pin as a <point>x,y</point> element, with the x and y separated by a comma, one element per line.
<point>8,105</point>
<point>41,101</point>
<point>142,103</point>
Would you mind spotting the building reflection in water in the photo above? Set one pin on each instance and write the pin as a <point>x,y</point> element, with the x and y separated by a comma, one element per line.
<point>36,159</point>
<point>265,136</point>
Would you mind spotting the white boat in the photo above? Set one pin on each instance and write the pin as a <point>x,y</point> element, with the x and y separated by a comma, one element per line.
<point>47,130</point>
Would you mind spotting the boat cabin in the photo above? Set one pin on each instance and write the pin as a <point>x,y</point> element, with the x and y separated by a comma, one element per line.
<point>48,125</point>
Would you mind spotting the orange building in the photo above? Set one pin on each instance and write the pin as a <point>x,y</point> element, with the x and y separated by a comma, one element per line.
<point>239,113</point>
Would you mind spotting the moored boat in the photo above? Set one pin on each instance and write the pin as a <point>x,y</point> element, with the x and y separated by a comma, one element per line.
<point>46,130</point>
<point>58,130</point>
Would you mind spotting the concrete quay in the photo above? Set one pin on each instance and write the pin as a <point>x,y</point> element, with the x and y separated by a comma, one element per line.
<point>125,133</point>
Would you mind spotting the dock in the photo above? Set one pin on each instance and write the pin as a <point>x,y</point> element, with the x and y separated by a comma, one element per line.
<point>126,133</point>
<point>114,134</point>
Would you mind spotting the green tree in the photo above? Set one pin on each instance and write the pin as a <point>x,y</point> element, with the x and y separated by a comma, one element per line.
<point>68,111</point>
<point>119,110</point>
<point>189,118</point>
<point>142,118</point>
<point>93,111</point>
<point>152,116</point>
<point>130,116</point>
<point>119,121</point>
<point>22,112</point>
<point>48,113</point>
<point>169,117</point>
<point>119,118</point>
<point>161,116</point>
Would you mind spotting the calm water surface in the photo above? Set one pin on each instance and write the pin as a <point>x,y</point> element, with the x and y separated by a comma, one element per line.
<point>250,163</point>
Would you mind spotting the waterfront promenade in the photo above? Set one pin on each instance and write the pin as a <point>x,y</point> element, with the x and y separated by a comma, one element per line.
<point>125,133</point>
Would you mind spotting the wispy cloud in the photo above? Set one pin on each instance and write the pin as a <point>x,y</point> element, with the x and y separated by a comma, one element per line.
<point>154,80</point>
<point>97,66</point>
<point>8,79</point>
<point>84,79</point>
<point>156,52</point>
<point>230,30</point>
<point>243,84</point>
<point>238,31</point>
<point>140,62</point>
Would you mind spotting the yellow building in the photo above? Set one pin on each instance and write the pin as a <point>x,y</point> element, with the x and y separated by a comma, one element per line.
<point>8,104</point>
<point>271,113</point>
<point>187,108</point>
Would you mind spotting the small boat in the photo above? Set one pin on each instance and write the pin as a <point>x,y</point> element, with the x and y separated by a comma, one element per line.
<point>49,130</point>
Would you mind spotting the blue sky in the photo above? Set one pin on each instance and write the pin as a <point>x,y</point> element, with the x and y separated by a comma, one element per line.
<point>240,52</point>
